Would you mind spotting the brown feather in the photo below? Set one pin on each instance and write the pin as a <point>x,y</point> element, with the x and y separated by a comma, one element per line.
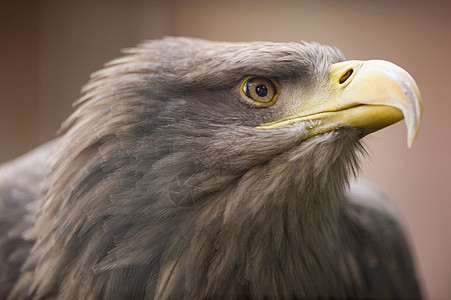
<point>160,186</point>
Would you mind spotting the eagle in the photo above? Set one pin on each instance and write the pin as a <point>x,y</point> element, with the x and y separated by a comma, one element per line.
<point>195,169</point>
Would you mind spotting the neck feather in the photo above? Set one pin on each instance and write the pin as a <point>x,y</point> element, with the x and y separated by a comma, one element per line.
<point>275,217</point>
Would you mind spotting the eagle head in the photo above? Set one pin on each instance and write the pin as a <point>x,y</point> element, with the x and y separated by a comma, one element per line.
<point>200,169</point>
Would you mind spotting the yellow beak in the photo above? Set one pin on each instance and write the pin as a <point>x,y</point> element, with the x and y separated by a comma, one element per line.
<point>368,95</point>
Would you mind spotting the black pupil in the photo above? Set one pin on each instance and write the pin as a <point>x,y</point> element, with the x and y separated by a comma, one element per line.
<point>261,90</point>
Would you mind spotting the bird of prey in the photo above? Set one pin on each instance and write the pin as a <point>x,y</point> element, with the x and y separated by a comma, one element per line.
<point>194,169</point>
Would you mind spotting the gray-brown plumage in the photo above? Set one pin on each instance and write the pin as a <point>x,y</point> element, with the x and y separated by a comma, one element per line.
<point>171,181</point>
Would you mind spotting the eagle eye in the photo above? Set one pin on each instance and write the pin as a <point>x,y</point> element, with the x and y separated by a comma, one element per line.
<point>260,90</point>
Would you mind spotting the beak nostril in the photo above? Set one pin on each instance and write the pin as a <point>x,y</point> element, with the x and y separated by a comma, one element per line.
<point>345,76</point>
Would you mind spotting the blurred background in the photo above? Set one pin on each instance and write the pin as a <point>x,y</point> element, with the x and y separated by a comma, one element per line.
<point>49,48</point>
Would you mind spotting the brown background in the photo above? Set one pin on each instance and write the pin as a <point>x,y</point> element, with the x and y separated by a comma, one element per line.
<point>49,48</point>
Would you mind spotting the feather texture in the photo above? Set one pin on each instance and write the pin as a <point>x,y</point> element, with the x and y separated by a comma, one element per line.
<point>160,186</point>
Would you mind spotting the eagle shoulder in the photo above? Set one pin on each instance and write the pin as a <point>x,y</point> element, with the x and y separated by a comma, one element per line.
<point>20,189</point>
<point>379,243</point>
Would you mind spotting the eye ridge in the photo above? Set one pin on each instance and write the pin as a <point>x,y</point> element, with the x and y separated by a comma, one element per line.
<point>259,90</point>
